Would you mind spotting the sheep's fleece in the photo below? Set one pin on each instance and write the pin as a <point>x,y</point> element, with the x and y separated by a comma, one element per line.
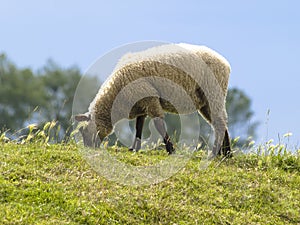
<point>177,78</point>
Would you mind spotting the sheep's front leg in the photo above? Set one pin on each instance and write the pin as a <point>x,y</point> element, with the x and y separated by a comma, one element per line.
<point>160,126</point>
<point>138,136</point>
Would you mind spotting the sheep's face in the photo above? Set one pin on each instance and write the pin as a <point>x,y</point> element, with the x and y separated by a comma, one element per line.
<point>88,130</point>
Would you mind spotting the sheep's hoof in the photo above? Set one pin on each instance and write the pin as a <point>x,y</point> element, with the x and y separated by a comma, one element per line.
<point>131,149</point>
<point>170,148</point>
<point>226,151</point>
<point>136,146</point>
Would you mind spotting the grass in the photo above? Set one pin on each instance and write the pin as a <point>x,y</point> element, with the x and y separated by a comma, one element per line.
<point>53,184</point>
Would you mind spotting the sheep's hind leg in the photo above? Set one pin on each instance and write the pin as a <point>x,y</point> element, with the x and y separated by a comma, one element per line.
<point>138,136</point>
<point>160,126</point>
<point>226,148</point>
<point>219,124</point>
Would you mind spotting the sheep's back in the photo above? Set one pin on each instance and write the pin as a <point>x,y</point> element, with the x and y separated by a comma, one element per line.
<point>189,69</point>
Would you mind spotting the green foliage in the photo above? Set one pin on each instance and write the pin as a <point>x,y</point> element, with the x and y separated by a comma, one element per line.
<point>240,116</point>
<point>20,93</point>
<point>52,184</point>
<point>47,95</point>
<point>59,86</point>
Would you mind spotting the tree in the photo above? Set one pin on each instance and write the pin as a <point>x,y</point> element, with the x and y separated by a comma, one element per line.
<point>28,97</point>
<point>240,115</point>
<point>59,87</point>
<point>20,94</point>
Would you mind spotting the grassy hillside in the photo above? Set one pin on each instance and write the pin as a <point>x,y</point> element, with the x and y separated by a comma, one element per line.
<point>52,184</point>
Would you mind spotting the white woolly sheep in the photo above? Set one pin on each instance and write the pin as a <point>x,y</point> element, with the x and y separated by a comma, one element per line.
<point>176,78</point>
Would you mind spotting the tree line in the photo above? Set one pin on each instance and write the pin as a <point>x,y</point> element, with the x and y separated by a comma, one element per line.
<point>28,96</point>
<point>36,97</point>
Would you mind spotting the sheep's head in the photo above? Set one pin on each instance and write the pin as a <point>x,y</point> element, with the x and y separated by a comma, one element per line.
<point>88,130</point>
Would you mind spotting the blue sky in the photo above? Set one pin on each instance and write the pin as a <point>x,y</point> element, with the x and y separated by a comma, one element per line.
<point>259,38</point>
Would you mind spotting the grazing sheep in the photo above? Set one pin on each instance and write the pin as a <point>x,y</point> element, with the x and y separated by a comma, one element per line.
<point>176,78</point>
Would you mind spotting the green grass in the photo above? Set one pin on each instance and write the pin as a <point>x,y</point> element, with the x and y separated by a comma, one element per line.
<point>53,184</point>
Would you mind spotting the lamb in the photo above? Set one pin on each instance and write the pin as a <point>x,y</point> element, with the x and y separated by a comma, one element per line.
<point>176,78</point>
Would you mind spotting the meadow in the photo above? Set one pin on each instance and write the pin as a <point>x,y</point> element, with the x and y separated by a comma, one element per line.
<point>42,183</point>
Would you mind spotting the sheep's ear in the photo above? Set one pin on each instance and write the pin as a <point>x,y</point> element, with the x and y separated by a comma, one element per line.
<point>82,117</point>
